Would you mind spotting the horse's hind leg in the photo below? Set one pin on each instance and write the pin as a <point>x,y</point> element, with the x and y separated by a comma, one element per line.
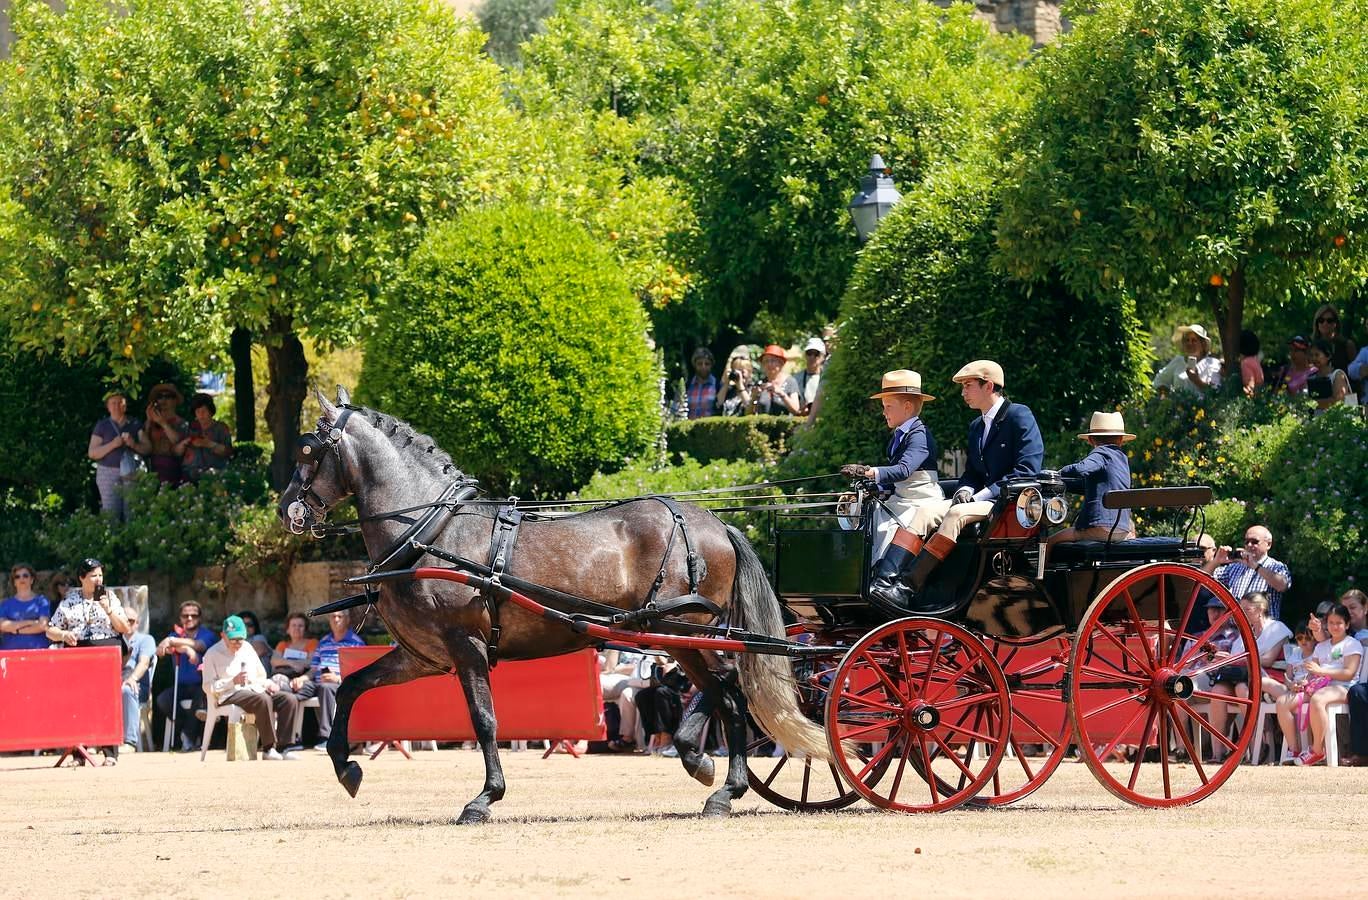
<point>472,668</point>
<point>395,667</point>
<point>693,727</point>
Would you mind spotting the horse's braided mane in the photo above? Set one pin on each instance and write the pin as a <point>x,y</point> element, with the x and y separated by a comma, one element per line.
<point>420,447</point>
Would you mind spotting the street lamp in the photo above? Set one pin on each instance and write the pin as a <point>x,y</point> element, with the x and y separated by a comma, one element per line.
<point>876,197</point>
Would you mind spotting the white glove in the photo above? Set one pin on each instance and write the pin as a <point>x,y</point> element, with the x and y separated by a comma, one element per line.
<point>963,495</point>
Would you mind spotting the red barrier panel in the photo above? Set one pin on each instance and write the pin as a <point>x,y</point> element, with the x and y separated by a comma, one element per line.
<point>557,698</point>
<point>60,698</point>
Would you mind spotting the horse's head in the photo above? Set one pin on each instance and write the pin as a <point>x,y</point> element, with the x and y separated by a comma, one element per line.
<point>320,479</point>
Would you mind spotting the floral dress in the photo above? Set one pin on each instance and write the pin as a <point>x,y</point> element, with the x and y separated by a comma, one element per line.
<point>84,617</point>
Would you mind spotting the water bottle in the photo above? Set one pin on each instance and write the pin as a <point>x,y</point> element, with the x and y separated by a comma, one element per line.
<point>1296,668</point>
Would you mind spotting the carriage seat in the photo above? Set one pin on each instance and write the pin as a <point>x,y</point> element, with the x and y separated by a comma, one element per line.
<point>1144,549</point>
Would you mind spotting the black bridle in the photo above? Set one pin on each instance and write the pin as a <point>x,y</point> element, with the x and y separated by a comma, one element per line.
<point>310,451</point>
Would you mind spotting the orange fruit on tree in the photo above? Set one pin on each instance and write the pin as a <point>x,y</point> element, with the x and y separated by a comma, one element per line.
<point>1216,280</point>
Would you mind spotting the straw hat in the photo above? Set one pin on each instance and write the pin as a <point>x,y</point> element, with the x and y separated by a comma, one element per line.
<point>1105,424</point>
<point>901,383</point>
<point>1195,329</point>
<point>982,369</point>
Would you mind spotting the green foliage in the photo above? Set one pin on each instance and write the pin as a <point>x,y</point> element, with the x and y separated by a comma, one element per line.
<point>1197,151</point>
<point>762,439</point>
<point>510,22</point>
<point>924,296</point>
<point>515,342</point>
<point>767,113</point>
<point>261,546</point>
<point>19,538</point>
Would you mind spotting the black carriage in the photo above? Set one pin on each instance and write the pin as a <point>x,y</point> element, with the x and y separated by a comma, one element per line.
<point>1013,657</point>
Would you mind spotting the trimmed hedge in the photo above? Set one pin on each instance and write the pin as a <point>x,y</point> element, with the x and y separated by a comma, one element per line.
<point>925,296</point>
<point>762,439</point>
<point>512,338</point>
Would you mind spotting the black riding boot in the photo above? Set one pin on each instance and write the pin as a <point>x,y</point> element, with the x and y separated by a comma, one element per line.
<point>887,584</point>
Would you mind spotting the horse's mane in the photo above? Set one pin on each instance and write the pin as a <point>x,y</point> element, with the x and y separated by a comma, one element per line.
<point>417,446</point>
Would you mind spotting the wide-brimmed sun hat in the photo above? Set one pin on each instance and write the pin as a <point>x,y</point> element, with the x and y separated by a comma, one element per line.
<point>1107,424</point>
<point>1194,329</point>
<point>901,383</point>
<point>982,369</point>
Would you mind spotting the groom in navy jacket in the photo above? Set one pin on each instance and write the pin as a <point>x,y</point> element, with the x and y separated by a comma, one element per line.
<point>1004,443</point>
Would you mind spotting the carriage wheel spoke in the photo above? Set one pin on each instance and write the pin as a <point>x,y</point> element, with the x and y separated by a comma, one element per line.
<point>1121,732</point>
<point>1193,755</point>
<point>1162,581</point>
<point>905,741</point>
<point>874,760</point>
<point>1164,754</point>
<point>867,703</point>
<point>1117,675</point>
<point>775,774</point>
<point>928,774</point>
<point>1139,625</point>
<point>931,666</point>
<point>1206,726</point>
<point>852,733</point>
<point>1121,645</point>
<point>1187,615</point>
<point>1140,754</point>
<point>1108,707</point>
<point>883,676</point>
<point>952,680</point>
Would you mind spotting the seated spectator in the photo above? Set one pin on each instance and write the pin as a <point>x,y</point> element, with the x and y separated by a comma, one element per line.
<point>1356,602</point>
<point>1326,327</point>
<point>233,671</point>
<point>702,388</point>
<point>1251,363</point>
<point>733,397</point>
<point>24,614</point>
<point>1336,382</point>
<point>292,655</point>
<point>90,616</point>
<point>1293,376</point>
<point>1106,468</point>
<point>1270,636</point>
<point>661,706</point>
<point>325,673</point>
<point>1332,670</point>
<point>206,444</point>
<point>1195,370</point>
<point>137,677</point>
<point>186,645</point>
<point>777,394</point>
<point>256,638</point>
<point>619,677</point>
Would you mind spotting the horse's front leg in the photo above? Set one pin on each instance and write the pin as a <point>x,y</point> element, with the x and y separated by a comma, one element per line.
<point>395,667</point>
<point>472,668</point>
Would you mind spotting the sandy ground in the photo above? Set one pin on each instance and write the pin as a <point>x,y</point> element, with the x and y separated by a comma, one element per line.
<point>603,826</point>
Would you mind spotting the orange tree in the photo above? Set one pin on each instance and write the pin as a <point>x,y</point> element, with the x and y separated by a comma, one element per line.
<point>1210,150</point>
<point>172,170</point>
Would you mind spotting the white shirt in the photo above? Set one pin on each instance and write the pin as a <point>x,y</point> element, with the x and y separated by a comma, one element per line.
<point>986,491</point>
<point>1334,656</point>
<point>221,665</point>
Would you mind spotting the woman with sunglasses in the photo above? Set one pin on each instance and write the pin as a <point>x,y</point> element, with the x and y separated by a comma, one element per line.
<point>1327,328</point>
<point>24,614</point>
<point>90,616</point>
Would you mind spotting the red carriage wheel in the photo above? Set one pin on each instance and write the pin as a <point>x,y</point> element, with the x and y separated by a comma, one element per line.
<point>931,703</point>
<point>1139,687</point>
<point>1040,717</point>
<point>795,783</point>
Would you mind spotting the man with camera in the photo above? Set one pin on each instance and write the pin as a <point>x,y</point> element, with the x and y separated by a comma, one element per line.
<point>1250,569</point>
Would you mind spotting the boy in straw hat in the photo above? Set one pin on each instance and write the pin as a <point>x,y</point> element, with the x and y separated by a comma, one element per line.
<point>1104,469</point>
<point>910,475</point>
<point>1004,442</point>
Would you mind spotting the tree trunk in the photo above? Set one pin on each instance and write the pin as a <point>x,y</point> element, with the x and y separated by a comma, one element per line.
<point>244,389</point>
<point>288,387</point>
<point>1229,318</point>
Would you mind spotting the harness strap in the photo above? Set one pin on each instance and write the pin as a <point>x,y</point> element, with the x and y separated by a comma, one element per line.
<point>501,541</point>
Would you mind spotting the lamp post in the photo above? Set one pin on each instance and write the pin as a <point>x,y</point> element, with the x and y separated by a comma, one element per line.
<point>876,197</point>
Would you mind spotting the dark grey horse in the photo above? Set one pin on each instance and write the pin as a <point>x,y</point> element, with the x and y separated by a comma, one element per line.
<point>610,555</point>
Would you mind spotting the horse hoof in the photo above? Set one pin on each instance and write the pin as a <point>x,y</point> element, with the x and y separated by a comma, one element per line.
<point>704,772</point>
<point>717,808</point>
<point>473,815</point>
<point>350,778</point>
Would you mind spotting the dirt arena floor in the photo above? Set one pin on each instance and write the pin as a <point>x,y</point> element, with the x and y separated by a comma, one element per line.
<point>617,827</point>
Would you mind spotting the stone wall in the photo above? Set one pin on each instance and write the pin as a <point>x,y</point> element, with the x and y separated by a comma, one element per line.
<point>1037,19</point>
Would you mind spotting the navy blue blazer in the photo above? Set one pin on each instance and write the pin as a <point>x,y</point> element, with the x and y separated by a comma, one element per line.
<point>910,449</point>
<point>1106,468</point>
<point>1013,450</point>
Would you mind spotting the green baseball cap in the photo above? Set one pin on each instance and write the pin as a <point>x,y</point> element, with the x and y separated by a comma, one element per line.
<point>234,627</point>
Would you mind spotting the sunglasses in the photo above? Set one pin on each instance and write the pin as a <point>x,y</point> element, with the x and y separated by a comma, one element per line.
<point>1331,319</point>
<point>190,615</point>
<point>17,575</point>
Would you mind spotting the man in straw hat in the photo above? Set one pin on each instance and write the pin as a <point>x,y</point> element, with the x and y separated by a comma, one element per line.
<point>910,475</point>
<point>1004,442</point>
<point>1104,469</point>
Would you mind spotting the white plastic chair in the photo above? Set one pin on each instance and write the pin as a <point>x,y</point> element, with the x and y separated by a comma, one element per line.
<point>213,712</point>
<point>1332,713</point>
<point>311,703</point>
<point>1266,708</point>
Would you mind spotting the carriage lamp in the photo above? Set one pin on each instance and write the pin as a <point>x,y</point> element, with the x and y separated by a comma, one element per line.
<point>1030,506</point>
<point>876,197</point>
<point>1056,510</point>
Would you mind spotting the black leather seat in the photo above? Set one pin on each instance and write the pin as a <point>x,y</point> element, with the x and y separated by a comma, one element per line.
<point>1139,550</point>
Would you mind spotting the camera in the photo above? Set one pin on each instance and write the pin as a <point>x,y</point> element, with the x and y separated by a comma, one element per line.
<point>734,377</point>
<point>1236,553</point>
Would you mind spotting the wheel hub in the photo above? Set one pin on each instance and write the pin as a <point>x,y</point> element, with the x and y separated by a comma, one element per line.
<point>923,717</point>
<point>1173,685</point>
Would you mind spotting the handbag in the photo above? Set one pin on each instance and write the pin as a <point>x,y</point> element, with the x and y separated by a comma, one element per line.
<point>131,465</point>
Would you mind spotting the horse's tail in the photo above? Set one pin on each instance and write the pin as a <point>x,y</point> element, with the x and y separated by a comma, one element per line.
<point>767,679</point>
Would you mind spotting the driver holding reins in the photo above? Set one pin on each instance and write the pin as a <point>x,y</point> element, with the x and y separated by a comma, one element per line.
<point>1004,442</point>
<point>910,477</point>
